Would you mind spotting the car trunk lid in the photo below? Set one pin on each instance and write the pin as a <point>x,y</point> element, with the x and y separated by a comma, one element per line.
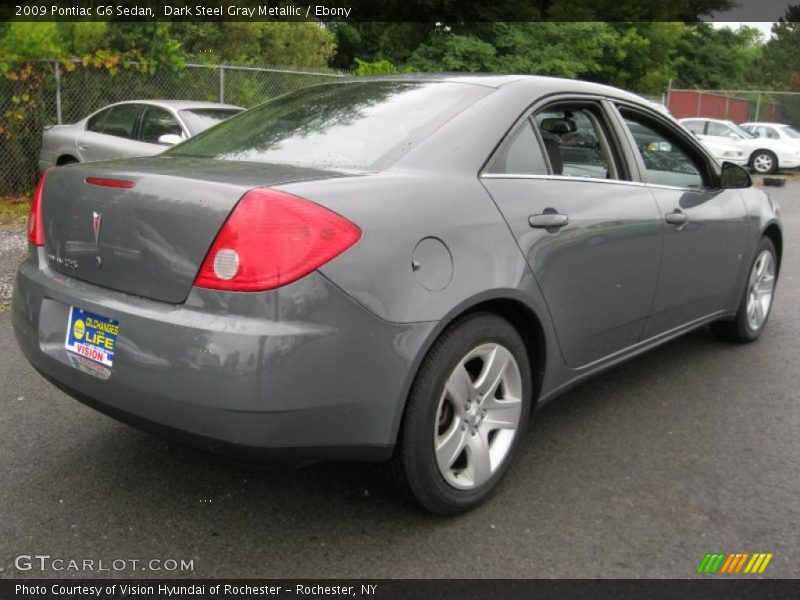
<point>148,235</point>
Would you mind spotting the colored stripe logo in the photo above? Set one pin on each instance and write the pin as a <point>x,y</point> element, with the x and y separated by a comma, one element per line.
<point>736,562</point>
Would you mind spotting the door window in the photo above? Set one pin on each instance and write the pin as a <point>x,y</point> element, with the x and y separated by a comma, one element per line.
<point>574,142</point>
<point>157,122</point>
<point>120,121</point>
<point>722,130</point>
<point>767,132</point>
<point>695,127</point>
<point>667,159</point>
<point>95,122</point>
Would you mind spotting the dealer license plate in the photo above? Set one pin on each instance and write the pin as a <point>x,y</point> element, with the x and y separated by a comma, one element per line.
<point>92,336</point>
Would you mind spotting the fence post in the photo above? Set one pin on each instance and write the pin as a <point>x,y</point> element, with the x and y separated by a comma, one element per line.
<point>758,106</point>
<point>221,84</point>
<point>58,93</point>
<point>669,93</point>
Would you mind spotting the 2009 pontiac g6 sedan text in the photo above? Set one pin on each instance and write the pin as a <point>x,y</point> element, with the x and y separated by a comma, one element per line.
<point>391,270</point>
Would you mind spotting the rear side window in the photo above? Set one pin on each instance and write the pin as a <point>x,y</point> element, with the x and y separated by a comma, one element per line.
<point>120,121</point>
<point>96,121</point>
<point>694,126</point>
<point>575,143</point>
<point>520,155</point>
<point>667,159</point>
<point>359,125</point>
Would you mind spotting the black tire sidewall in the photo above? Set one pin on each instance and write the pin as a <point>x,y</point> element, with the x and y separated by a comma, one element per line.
<point>426,482</point>
<point>745,331</point>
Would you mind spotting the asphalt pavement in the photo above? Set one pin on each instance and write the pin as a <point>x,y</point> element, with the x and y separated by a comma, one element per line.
<point>639,472</point>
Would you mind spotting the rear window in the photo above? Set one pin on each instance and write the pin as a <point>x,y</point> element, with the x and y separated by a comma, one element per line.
<point>200,119</point>
<point>364,125</point>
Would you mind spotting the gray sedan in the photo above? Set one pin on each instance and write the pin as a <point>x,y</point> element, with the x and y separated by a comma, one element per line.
<point>393,270</point>
<point>127,129</point>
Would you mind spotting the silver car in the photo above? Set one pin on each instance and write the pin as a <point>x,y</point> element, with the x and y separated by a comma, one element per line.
<point>127,129</point>
<point>393,270</point>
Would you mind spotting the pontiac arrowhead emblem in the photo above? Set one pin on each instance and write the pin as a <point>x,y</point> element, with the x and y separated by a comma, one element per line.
<point>96,217</point>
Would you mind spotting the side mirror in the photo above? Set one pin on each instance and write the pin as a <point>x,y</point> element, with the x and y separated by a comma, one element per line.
<point>169,139</point>
<point>734,177</point>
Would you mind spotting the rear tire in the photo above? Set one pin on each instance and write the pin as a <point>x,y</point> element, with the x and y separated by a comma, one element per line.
<point>757,297</point>
<point>465,417</point>
<point>764,162</point>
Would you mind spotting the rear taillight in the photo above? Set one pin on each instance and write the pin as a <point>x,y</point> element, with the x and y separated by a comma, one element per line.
<point>273,238</point>
<point>35,224</point>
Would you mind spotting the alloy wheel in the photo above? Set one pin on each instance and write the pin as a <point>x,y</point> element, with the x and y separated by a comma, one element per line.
<point>478,416</point>
<point>760,290</point>
<point>763,163</point>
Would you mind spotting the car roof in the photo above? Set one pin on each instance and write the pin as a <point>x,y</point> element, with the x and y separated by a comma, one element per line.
<point>179,104</point>
<point>767,123</point>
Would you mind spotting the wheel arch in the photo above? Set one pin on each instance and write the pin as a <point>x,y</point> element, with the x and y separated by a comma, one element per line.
<point>755,153</point>
<point>66,158</point>
<point>506,304</point>
<point>773,232</point>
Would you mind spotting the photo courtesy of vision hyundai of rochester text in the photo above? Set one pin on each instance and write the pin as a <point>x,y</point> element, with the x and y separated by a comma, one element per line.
<point>393,269</point>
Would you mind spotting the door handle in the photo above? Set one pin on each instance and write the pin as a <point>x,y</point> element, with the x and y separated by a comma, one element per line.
<point>676,217</point>
<point>82,147</point>
<point>548,220</point>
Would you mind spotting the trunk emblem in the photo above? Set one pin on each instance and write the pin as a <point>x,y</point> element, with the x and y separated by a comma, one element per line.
<point>96,218</point>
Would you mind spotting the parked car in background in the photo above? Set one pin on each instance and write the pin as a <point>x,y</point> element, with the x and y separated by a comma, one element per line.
<point>401,274</point>
<point>764,155</point>
<point>128,129</point>
<point>726,151</point>
<point>774,131</point>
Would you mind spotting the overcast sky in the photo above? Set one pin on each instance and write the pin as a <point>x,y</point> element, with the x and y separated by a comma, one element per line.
<point>765,27</point>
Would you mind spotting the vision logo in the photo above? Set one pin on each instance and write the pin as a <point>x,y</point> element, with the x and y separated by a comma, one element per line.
<point>741,562</point>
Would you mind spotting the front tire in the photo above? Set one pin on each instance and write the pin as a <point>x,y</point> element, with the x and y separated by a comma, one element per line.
<point>764,162</point>
<point>466,415</point>
<point>757,297</point>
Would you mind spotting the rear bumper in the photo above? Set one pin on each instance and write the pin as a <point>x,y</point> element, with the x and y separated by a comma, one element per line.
<point>302,371</point>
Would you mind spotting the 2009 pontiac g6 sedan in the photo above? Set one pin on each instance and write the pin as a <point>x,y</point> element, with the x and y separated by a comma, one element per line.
<point>390,270</point>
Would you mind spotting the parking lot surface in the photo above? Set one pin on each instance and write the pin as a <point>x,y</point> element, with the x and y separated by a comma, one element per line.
<point>639,472</point>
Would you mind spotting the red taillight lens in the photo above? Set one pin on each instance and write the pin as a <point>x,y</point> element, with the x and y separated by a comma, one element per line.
<point>35,224</point>
<point>273,238</point>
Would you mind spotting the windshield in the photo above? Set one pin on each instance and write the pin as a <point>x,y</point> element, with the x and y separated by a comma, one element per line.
<point>745,134</point>
<point>200,119</point>
<point>356,125</point>
<point>790,131</point>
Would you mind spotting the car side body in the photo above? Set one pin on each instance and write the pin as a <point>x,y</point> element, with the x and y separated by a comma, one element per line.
<point>78,142</point>
<point>774,131</point>
<point>590,269</point>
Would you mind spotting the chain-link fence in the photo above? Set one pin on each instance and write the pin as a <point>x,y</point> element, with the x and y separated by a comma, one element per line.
<point>49,93</point>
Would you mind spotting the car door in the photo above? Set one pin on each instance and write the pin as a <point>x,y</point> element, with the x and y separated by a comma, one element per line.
<point>156,122</point>
<point>705,227</point>
<point>592,238</point>
<point>114,135</point>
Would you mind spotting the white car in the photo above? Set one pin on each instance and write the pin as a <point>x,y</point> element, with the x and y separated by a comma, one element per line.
<point>128,129</point>
<point>774,131</point>
<point>764,155</point>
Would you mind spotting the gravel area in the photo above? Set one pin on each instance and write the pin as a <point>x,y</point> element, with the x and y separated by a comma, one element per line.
<point>12,250</point>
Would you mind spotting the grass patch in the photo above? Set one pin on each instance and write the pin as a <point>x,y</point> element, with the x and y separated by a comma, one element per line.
<point>14,209</point>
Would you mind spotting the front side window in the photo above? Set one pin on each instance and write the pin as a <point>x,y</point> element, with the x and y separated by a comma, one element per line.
<point>768,132</point>
<point>667,159</point>
<point>574,142</point>
<point>722,130</point>
<point>120,121</point>
<point>200,119</point>
<point>157,122</point>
